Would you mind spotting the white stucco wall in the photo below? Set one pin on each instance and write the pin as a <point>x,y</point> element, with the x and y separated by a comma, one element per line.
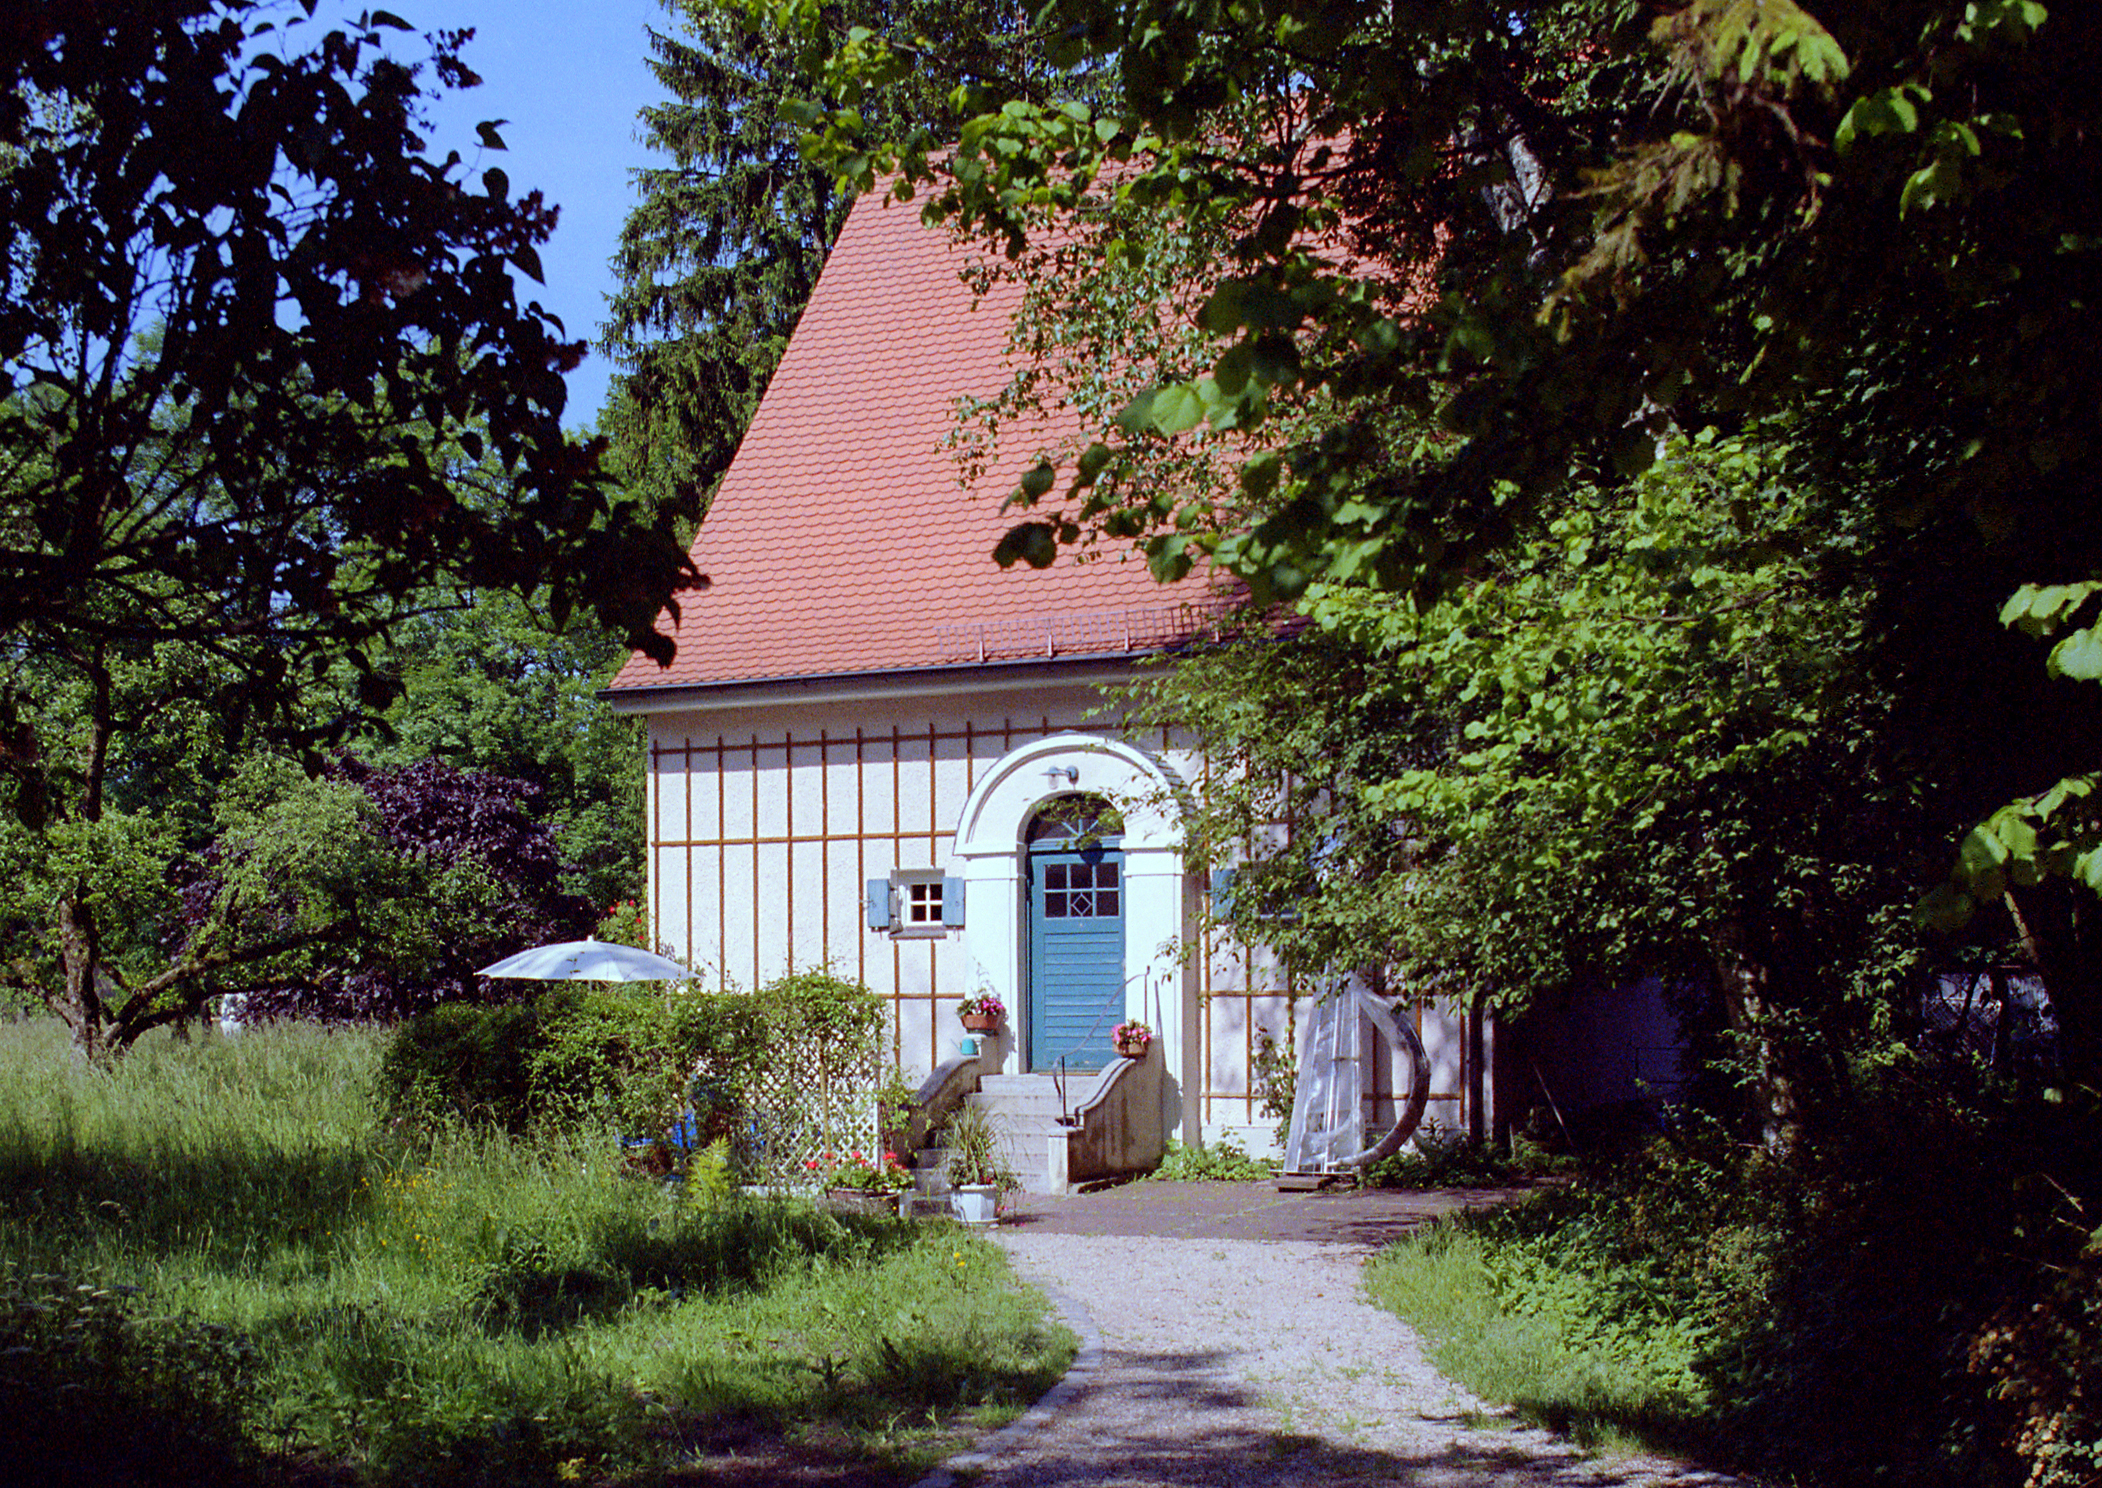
<point>767,815</point>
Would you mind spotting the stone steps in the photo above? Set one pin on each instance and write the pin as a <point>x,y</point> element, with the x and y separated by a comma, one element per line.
<point>1025,1110</point>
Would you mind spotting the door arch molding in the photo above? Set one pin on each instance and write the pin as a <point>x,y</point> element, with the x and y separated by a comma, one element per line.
<point>1000,806</point>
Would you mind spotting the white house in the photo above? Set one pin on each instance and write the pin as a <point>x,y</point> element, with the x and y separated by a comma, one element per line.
<point>868,750</point>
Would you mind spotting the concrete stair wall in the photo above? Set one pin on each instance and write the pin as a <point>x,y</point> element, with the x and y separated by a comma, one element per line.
<point>1105,1124</point>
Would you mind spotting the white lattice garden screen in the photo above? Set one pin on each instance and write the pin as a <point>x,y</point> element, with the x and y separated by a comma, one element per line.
<point>809,1089</point>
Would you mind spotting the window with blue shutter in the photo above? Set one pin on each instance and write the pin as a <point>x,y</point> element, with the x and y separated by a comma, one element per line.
<point>915,903</point>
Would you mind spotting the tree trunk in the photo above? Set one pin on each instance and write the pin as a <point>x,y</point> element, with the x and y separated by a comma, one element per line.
<point>1745,978</point>
<point>2060,925</point>
<point>79,1002</point>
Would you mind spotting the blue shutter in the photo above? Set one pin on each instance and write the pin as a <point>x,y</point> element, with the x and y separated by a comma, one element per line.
<point>879,903</point>
<point>1222,893</point>
<point>952,903</point>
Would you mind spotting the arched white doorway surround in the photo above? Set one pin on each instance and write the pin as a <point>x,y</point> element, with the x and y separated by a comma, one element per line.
<point>1159,987</point>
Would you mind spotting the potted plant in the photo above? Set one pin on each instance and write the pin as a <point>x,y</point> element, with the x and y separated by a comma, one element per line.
<point>981,1012</point>
<point>897,1103</point>
<point>1131,1038</point>
<point>862,1185</point>
<point>976,1169</point>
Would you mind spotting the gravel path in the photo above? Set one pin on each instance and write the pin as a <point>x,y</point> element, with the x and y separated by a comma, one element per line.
<point>1235,1361</point>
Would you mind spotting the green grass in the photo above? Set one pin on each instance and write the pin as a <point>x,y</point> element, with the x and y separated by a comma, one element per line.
<point>230,1226</point>
<point>1525,1315</point>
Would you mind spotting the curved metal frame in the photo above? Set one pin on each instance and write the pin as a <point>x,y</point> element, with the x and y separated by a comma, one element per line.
<point>1400,1035</point>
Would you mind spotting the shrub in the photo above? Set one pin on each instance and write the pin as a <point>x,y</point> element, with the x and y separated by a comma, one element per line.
<point>1909,1296</point>
<point>1931,1259</point>
<point>462,1062</point>
<point>1453,1160</point>
<point>577,1053</point>
<point>628,1057</point>
<point>1591,1307</point>
<point>811,1084</point>
<point>779,1074</point>
<point>1221,1162</point>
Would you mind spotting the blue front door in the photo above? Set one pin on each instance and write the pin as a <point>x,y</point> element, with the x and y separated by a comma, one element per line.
<point>1076,956</point>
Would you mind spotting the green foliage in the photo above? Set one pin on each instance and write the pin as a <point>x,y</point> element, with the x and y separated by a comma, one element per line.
<point>1219,1162</point>
<point>781,1073</point>
<point>1443,328</point>
<point>463,1062</point>
<point>882,1174</point>
<point>577,1055</point>
<point>1589,760</point>
<point>1453,1160</point>
<point>1591,1308</point>
<point>895,1098</point>
<point>302,864</point>
<point>838,1019</point>
<point>214,871</point>
<point>1671,236</point>
<point>1533,1325</point>
<point>1915,1243</point>
<point>95,1392</point>
<point>2042,1359</point>
<point>275,1288</point>
<point>976,1151</point>
<point>488,682</point>
<point>622,1057</point>
<point>1931,1253</point>
<point>2040,855</point>
<point>296,876</point>
<point>1274,1079</point>
<point>627,922</point>
<point>266,403</point>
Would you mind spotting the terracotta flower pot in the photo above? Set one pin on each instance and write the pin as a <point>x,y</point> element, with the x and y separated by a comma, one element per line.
<point>980,1022</point>
<point>1134,1048</point>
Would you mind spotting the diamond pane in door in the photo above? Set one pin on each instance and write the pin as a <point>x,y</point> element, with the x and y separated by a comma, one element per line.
<point>1076,957</point>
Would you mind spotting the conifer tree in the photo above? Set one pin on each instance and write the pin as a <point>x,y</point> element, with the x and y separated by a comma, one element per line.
<point>724,246</point>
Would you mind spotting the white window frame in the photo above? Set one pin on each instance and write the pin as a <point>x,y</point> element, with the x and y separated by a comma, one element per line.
<point>916,904</point>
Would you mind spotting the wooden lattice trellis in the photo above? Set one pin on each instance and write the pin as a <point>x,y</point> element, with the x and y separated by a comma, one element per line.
<point>807,1090</point>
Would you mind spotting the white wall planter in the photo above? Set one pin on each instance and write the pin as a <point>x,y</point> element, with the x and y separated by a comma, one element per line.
<point>975,1203</point>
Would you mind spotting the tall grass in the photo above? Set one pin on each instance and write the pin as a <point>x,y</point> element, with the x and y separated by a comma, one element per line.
<point>1521,1325</point>
<point>471,1308</point>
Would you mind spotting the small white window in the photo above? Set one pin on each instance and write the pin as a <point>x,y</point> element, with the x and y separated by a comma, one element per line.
<point>915,903</point>
<point>919,903</point>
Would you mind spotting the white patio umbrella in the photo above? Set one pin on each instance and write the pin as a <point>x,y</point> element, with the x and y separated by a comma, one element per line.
<point>588,961</point>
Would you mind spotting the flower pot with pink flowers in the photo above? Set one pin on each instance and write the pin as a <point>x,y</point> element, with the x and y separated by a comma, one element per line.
<point>1131,1039</point>
<point>981,1012</point>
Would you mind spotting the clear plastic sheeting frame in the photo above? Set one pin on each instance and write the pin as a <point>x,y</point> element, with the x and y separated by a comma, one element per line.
<point>1328,1132</point>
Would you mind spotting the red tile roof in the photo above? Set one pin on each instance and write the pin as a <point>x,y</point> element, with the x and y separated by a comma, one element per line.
<point>840,540</point>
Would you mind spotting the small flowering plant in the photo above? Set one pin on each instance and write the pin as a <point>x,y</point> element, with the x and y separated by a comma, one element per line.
<point>878,1175</point>
<point>628,923</point>
<point>981,1004</point>
<point>1131,1032</point>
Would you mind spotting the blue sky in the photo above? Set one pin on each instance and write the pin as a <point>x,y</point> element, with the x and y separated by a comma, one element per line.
<point>570,79</point>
